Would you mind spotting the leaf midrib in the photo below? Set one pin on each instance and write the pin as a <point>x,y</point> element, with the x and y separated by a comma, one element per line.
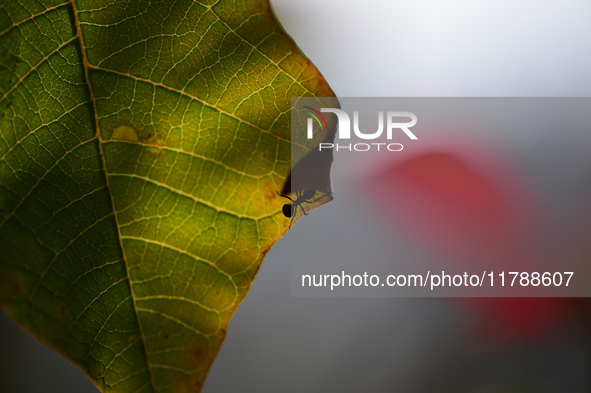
<point>85,66</point>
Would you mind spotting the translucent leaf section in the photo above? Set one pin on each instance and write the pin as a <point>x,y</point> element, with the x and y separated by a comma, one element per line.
<point>142,145</point>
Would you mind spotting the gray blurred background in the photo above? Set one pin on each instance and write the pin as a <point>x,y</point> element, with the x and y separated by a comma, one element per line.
<point>276,343</point>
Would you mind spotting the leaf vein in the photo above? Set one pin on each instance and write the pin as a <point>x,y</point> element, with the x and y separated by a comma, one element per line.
<point>33,16</point>
<point>173,319</point>
<point>205,103</point>
<point>33,68</point>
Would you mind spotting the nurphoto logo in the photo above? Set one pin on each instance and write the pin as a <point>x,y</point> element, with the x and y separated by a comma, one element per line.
<point>393,122</point>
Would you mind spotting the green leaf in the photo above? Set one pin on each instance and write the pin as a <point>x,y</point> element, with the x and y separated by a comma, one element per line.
<point>142,145</point>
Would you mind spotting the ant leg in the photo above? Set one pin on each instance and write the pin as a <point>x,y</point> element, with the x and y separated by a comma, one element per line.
<point>309,202</point>
<point>284,196</point>
<point>295,212</point>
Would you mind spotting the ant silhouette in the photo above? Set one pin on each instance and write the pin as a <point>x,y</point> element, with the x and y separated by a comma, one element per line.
<point>291,209</point>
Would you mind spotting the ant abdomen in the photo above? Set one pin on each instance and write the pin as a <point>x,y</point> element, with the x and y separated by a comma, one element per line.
<point>287,210</point>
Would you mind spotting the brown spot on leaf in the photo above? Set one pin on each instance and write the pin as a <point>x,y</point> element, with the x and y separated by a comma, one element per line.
<point>265,251</point>
<point>270,195</point>
<point>17,286</point>
<point>166,336</point>
<point>264,155</point>
<point>304,62</point>
<point>153,139</point>
<point>62,309</point>
<point>199,353</point>
<point>254,270</point>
